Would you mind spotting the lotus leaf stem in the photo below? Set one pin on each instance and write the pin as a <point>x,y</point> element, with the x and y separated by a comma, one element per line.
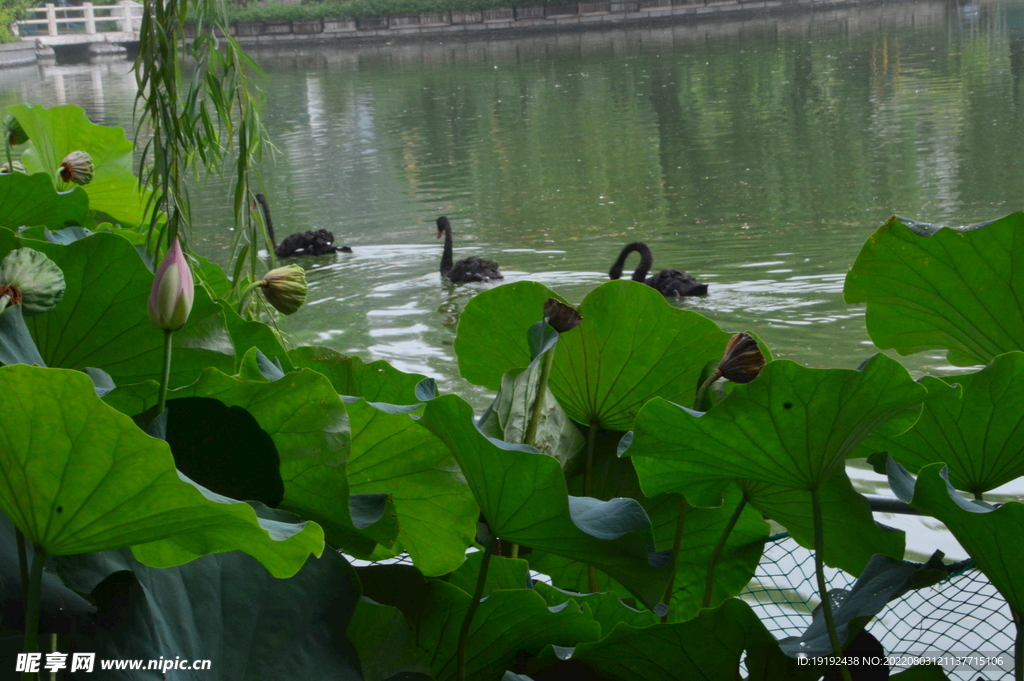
<point>478,593</point>
<point>32,606</point>
<point>676,543</point>
<point>10,161</point>
<point>1018,647</point>
<point>819,571</point>
<point>243,297</point>
<point>715,375</point>
<point>165,376</point>
<point>22,564</point>
<point>716,553</point>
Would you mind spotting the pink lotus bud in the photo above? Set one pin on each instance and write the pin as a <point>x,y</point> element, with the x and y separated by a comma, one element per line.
<point>170,300</point>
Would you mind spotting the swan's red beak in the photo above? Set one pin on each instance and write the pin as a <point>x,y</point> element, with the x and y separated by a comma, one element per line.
<point>440,233</point>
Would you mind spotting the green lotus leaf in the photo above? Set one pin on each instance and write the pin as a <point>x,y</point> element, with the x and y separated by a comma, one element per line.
<point>102,322</point>
<point>80,477</point>
<point>309,425</point>
<point>952,289</point>
<point>386,644</point>
<point>377,381</point>
<point>607,609</point>
<point>991,403</point>
<point>707,648</point>
<point>393,454</point>
<point>506,626</point>
<point>702,530</point>
<point>28,200</point>
<point>792,427</point>
<point>991,536</point>
<point>247,334</point>
<point>492,332</point>
<point>225,608</point>
<point>524,498</point>
<point>853,535</point>
<point>631,346</point>
<point>56,132</point>
<point>502,574</point>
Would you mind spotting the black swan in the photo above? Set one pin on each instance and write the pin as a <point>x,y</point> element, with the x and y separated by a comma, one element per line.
<point>313,242</point>
<point>666,282</point>
<point>470,269</point>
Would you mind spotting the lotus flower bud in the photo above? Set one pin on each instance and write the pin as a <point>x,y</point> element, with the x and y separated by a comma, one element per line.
<point>19,167</point>
<point>77,167</point>
<point>29,278</point>
<point>285,288</point>
<point>742,361</point>
<point>561,317</point>
<point>14,134</point>
<point>170,300</point>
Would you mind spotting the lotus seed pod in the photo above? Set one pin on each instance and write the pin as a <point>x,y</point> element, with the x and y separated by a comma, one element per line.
<point>14,134</point>
<point>742,361</point>
<point>170,299</point>
<point>77,167</point>
<point>31,279</point>
<point>285,288</point>
<point>561,317</point>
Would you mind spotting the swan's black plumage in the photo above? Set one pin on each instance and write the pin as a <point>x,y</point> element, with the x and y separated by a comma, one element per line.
<point>312,242</point>
<point>666,282</point>
<point>470,269</point>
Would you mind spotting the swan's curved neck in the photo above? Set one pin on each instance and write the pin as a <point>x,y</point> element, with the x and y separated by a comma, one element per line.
<point>646,260</point>
<point>446,256</point>
<point>262,200</point>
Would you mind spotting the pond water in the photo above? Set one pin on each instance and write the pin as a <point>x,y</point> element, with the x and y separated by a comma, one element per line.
<point>758,155</point>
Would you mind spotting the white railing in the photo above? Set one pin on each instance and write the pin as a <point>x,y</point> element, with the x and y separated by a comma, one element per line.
<point>126,14</point>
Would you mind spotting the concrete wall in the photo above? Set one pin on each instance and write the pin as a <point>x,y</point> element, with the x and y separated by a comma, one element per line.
<point>17,54</point>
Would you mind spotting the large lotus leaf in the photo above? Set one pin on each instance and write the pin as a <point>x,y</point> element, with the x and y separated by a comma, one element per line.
<point>707,648</point>
<point>847,522</point>
<point>385,643</point>
<point>791,426</point>
<point>506,626</point>
<point>102,322</point>
<point>991,536</point>
<point>224,608</point>
<point>607,609</point>
<point>56,132</point>
<point>631,346</point>
<point>78,476</point>
<point>377,381</point>
<point>978,433</point>
<point>523,496</point>
<point>309,426</point>
<point>492,332</point>
<point>702,530</point>
<point>954,289</point>
<point>32,200</point>
<point>392,453</point>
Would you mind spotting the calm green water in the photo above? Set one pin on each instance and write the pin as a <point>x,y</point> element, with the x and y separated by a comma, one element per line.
<point>758,155</point>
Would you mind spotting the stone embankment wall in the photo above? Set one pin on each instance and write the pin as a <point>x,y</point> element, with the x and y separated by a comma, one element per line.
<point>559,17</point>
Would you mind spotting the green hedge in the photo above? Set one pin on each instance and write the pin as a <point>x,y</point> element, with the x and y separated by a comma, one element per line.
<point>358,9</point>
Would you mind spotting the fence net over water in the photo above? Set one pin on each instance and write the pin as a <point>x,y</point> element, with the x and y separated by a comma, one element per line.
<point>963,614</point>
